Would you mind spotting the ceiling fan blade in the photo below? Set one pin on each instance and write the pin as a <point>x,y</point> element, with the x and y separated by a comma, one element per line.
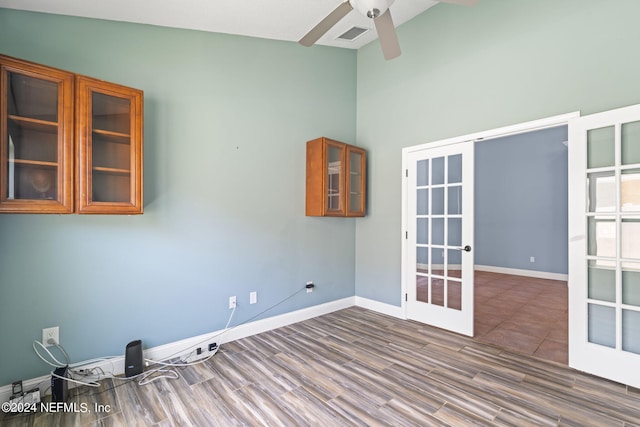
<point>387,35</point>
<point>325,25</point>
<point>460,2</point>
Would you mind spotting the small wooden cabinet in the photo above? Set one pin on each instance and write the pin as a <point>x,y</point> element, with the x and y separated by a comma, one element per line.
<point>336,179</point>
<point>68,143</point>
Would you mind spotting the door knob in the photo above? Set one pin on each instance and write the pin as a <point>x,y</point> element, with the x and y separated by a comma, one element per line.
<point>464,248</point>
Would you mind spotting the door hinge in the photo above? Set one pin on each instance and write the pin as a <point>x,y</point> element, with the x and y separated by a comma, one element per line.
<point>406,297</point>
<point>406,173</point>
<point>406,234</point>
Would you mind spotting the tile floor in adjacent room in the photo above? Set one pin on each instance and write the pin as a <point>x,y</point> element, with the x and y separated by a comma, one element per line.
<point>523,314</point>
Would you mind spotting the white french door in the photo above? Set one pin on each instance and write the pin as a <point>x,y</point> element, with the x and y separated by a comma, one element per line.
<point>438,272</point>
<point>604,244</point>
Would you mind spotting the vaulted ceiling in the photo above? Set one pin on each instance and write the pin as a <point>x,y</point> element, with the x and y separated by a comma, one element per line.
<point>270,19</point>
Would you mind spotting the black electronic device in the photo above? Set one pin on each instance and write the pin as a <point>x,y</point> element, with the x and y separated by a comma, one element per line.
<point>133,363</point>
<point>59,385</point>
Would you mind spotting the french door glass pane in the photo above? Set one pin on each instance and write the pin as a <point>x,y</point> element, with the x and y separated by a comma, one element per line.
<point>437,261</point>
<point>422,259</point>
<point>602,236</point>
<point>437,201</point>
<point>437,231</point>
<point>631,283</point>
<point>601,282</point>
<point>437,173</point>
<point>630,190</point>
<point>455,169</point>
<point>630,243</point>
<point>437,291</point>
<point>422,201</point>
<point>454,294</point>
<point>454,232</point>
<point>631,331</point>
<point>454,263</point>
<point>454,201</point>
<point>602,325</point>
<point>422,288</point>
<point>422,231</point>
<point>422,167</point>
<point>630,143</point>
<point>600,147</point>
<point>602,192</point>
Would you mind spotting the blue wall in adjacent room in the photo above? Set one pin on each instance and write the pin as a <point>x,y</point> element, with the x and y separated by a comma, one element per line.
<point>521,201</point>
<point>226,122</point>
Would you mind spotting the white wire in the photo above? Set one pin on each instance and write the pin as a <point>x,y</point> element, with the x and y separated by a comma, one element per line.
<point>58,363</point>
<point>197,362</point>
<point>87,383</point>
<point>167,373</point>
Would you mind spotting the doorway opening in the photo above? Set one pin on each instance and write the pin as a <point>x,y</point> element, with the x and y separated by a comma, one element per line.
<point>524,268</point>
<point>521,228</point>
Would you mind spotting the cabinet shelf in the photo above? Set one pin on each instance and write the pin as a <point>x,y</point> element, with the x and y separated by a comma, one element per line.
<point>111,136</point>
<point>33,163</point>
<point>34,124</point>
<point>113,171</point>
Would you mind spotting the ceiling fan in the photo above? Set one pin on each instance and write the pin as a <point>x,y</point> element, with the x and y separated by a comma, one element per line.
<point>378,10</point>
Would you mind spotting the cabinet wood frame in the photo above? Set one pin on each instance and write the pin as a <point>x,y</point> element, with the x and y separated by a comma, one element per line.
<point>85,88</point>
<point>63,202</point>
<point>317,179</point>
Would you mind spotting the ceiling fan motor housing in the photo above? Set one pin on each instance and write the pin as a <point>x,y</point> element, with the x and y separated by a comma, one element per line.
<point>371,8</point>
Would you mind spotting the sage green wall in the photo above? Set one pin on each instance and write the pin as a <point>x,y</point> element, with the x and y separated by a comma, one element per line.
<point>226,121</point>
<point>464,70</point>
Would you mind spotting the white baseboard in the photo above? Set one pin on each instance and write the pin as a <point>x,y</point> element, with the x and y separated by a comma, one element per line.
<point>519,272</point>
<point>186,346</point>
<point>380,307</point>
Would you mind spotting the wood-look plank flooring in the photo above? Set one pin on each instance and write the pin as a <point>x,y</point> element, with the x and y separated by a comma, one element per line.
<point>358,367</point>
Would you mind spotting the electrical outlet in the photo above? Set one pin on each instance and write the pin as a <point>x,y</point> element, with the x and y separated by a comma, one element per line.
<point>213,346</point>
<point>532,259</point>
<point>232,302</point>
<point>253,297</point>
<point>310,287</point>
<point>51,336</point>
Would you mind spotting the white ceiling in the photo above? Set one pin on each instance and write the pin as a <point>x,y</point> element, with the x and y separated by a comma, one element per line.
<point>269,19</point>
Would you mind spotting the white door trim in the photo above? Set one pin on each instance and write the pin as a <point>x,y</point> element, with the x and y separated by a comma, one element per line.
<point>548,122</point>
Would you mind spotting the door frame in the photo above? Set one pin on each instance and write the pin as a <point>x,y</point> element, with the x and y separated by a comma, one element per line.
<point>525,127</point>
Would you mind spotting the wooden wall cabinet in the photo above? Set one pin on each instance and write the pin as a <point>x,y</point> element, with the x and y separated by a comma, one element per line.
<point>109,151</point>
<point>336,179</point>
<point>68,143</point>
<point>36,119</point>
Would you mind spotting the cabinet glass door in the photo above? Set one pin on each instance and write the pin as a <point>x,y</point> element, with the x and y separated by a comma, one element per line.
<point>109,148</point>
<point>36,139</point>
<point>334,178</point>
<point>355,183</point>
